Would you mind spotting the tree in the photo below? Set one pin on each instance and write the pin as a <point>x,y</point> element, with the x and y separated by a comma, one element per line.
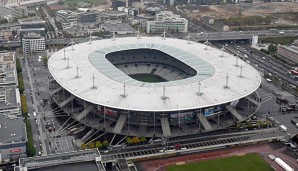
<point>3,21</point>
<point>60,2</point>
<point>136,140</point>
<point>45,60</point>
<point>21,83</point>
<point>272,48</point>
<point>30,143</point>
<point>24,106</point>
<point>83,146</point>
<point>105,144</point>
<point>129,141</point>
<point>31,14</point>
<point>98,144</point>
<point>143,139</point>
<point>19,67</point>
<point>91,145</point>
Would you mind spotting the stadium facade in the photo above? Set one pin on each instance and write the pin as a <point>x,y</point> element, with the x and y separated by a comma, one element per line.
<point>152,86</point>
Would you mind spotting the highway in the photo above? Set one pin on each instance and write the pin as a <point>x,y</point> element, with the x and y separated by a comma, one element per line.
<point>198,37</point>
<point>266,62</point>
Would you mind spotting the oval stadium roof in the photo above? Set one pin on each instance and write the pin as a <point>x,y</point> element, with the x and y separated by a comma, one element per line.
<point>212,70</point>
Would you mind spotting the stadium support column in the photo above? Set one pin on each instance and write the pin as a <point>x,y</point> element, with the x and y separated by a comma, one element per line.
<point>63,94</point>
<point>218,120</point>
<point>154,124</point>
<point>200,119</point>
<point>85,109</point>
<point>179,123</point>
<point>72,107</point>
<point>104,118</point>
<point>128,122</point>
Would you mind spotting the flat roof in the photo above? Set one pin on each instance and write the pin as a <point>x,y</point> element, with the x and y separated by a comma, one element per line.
<point>88,166</point>
<point>11,130</point>
<point>10,98</point>
<point>60,158</point>
<point>182,94</point>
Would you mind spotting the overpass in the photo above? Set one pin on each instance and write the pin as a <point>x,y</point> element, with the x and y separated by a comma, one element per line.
<point>198,37</point>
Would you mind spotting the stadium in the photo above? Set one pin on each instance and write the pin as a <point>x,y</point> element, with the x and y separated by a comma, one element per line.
<point>151,86</point>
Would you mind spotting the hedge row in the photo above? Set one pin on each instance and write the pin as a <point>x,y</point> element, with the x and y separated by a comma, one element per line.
<point>30,144</point>
<point>97,144</point>
<point>24,106</point>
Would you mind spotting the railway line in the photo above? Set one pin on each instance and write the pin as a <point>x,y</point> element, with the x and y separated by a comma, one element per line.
<point>167,149</point>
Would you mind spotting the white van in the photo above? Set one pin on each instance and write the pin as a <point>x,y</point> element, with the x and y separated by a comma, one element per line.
<point>34,115</point>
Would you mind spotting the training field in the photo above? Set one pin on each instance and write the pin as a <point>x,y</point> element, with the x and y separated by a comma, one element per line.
<point>247,162</point>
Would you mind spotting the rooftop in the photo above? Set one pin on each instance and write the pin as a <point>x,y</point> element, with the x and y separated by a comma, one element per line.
<point>182,94</point>
<point>11,130</point>
<point>63,160</point>
<point>89,166</point>
<point>10,99</point>
<point>32,35</point>
<point>8,76</point>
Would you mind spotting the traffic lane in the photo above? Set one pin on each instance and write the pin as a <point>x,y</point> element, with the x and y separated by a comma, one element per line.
<point>259,56</point>
<point>277,62</point>
<point>268,67</point>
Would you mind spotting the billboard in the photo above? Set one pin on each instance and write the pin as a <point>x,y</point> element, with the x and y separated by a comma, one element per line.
<point>184,117</point>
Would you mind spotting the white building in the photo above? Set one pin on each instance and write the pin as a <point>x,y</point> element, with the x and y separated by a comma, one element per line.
<point>33,43</point>
<point>166,20</point>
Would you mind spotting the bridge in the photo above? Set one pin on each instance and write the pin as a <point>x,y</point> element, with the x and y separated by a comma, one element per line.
<point>198,37</point>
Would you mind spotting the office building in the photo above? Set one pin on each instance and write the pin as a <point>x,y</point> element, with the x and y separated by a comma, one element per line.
<point>167,21</point>
<point>33,42</point>
<point>88,17</point>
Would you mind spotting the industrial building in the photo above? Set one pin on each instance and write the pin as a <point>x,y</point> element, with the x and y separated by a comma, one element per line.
<point>288,52</point>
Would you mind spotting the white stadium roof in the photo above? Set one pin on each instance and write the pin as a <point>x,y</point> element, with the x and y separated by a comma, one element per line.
<point>212,70</point>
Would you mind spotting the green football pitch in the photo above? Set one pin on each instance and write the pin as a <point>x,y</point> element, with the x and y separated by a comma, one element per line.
<point>149,78</point>
<point>248,162</point>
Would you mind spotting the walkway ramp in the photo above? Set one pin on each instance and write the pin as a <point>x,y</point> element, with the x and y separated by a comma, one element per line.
<point>252,100</point>
<point>165,127</point>
<point>204,122</point>
<point>234,112</point>
<point>88,134</point>
<point>67,101</point>
<point>84,112</point>
<point>120,123</point>
<point>55,91</point>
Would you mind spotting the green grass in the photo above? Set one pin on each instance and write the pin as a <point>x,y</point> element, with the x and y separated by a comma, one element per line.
<point>248,162</point>
<point>147,78</point>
